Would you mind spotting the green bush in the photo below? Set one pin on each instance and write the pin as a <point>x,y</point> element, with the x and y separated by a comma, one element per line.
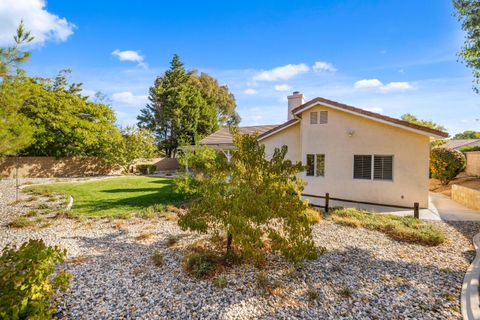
<point>470,148</point>
<point>27,289</point>
<point>313,215</point>
<point>203,264</point>
<point>146,168</point>
<point>157,258</point>
<point>446,164</point>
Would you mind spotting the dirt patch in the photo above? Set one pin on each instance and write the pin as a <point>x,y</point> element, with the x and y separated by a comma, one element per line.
<point>462,179</point>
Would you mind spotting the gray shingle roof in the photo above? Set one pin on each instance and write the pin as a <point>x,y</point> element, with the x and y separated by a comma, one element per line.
<point>461,143</point>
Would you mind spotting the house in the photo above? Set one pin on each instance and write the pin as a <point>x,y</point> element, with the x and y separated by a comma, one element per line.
<point>461,143</point>
<point>351,153</point>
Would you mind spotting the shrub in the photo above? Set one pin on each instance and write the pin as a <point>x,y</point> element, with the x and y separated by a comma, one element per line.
<point>446,164</point>
<point>28,290</point>
<point>157,258</point>
<point>203,264</point>
<point>220,282</point>
<point>146,168</point>
<point>171,240</point>
<point>148,213</point>
<point>406,229</point>
<point>313,215</point>
<point>21,222</point>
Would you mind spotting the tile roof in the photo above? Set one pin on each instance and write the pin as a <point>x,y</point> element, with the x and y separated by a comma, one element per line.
<point>460,143</point>
<point>223,135</point>
<point>311,103</point>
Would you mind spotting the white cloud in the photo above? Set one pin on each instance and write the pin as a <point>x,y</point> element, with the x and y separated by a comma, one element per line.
<point>323,66</point>
<point>130,55</point>
<point>250,91</point>
<point>397,86</point>
<point>128,98</point>
<point>282,87</point>
<point>43,25</point>
<point>282,73</point>
<point>367,83</point>
<point>377,84</point>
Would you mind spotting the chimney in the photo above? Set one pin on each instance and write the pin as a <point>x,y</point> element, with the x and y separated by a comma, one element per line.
<point>295,100</point>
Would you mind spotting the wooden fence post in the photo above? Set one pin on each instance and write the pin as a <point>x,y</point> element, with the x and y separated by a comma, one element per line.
<point>327,200</point>
<point>416,212</point>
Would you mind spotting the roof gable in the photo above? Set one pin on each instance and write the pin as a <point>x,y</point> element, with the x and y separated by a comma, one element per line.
<point>370,115</point>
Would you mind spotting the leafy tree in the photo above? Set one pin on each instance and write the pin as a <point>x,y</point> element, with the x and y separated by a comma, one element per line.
<point>468,134</point>
<point>185,107</point>
<point>468,13</point>
<point>16,132</point>
<point>253,199</point>
<point>65,122</point>
<point>426,123</point>
<point>446,164</point>
<point>138,143</point>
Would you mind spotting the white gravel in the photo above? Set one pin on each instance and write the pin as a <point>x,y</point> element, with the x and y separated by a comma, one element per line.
<point>363,275</point>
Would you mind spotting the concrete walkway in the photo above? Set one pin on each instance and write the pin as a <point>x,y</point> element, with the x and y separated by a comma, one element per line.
<point>440,207</point>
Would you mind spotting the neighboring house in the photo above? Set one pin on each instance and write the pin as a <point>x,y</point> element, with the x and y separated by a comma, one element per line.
<point>350,153</point>
<point>461,143</point>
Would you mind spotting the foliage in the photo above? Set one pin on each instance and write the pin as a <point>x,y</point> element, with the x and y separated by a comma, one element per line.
<point>203,264</point>
<point>220,282</point>
<point>157,258</point>
<point>28,290</point>
<point>185,107</point>
<point>137,143</point>
<point>470,148</point>
<point>114,197</point>
<point>406,229</point>
<point>468,13</point>
<point>16,131</point>
<point>437,143</point>
<point>252,198</point>
<point>446,164</point>
<point>21,222</point>
<point>65,122</point>
<point>468,134</point>
<point>426,123</point>
<point>313,215</point>
<point>146,168</point>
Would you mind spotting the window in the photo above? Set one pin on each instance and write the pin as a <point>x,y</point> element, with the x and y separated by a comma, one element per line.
<point>310,164</point>
<point>313,117</point>
<point>323,117</point>
<point>320,163</point>
<point>316,165</point>
<point>362,167</point>
<point>382,167</point>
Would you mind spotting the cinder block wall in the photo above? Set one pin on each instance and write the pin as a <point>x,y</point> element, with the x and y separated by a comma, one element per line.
<point>473,163</point>
<point>46,167</point>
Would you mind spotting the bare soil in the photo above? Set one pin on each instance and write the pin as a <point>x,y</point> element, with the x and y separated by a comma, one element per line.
<point>462,179</point>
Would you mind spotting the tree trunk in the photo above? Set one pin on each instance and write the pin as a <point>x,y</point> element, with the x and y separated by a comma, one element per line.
<point>229,243</point>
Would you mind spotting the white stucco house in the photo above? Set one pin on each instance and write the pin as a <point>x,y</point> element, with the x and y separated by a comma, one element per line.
<point>351,153</point>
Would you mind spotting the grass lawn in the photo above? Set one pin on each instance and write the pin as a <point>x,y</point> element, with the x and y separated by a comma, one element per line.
<point>407,229</point>
<point>113,197</point>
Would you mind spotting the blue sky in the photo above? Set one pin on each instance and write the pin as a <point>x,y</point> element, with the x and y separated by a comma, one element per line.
<point>392,57</point>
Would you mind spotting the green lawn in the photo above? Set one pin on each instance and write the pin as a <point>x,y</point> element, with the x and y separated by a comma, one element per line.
<point>114,197</point>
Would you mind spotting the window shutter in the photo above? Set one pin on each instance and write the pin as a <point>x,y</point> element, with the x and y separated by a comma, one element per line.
<point>362,167</point>
<point>383,167</point>
<point>313,117</point>
<point>323,117</point>
<point>310,164</point>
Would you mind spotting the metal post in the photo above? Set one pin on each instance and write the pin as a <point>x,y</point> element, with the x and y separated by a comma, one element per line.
<point>416,212</point>
<point>327,200</point>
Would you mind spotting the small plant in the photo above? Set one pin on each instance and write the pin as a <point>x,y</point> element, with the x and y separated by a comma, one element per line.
<point>220,282</point>
<point>203,264</point>
<point>159,207</point>
<point>32,213</point>
<point>313,215</point>
<point>144,236</point>
<point>31,199</point>
<point>171,240</point>
<point>28,289</point>
<point>21,222</point>
<point>148,213</point>
<point>157,258</point>
<point>268,285</point>
<point>345,292</point>
<point>43,206</point>
<point>313,294</point>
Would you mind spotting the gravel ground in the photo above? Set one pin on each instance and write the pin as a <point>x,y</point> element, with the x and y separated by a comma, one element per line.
<point>363,275</point>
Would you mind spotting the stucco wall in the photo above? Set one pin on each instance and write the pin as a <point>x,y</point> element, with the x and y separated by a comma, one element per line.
<point>163,164</point>
<point>289,137</point>
<point>44,167</point>
<point>466,196</point>
<point>410,151</point>
<point>473,163</point>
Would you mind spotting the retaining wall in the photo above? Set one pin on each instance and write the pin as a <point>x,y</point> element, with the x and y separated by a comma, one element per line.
<point>470,198</point>
<point>473,163</point>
